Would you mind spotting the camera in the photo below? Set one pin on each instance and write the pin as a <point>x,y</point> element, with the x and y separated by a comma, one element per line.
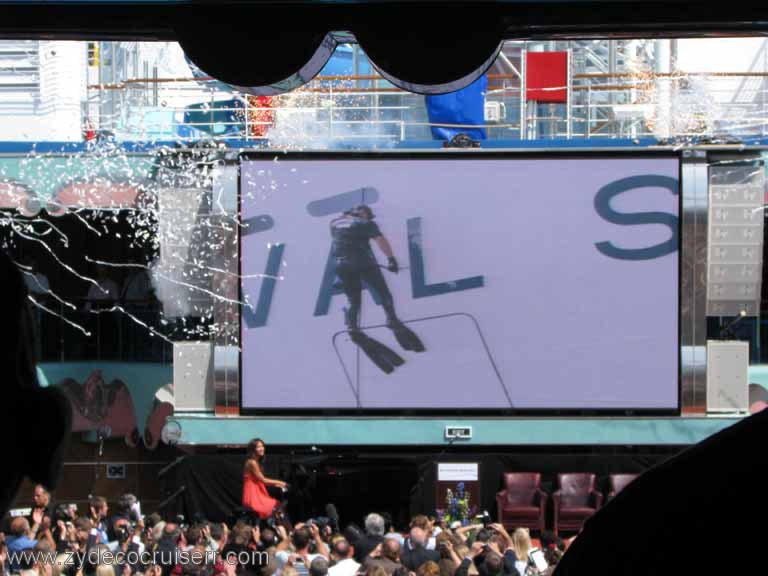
<point>321,522</point>
<point>64,513</point>
<point>485,518</point>
<point>135,512</point>
<point>123,534</point>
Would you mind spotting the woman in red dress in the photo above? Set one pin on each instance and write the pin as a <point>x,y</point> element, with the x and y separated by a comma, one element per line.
<point>256,499</point>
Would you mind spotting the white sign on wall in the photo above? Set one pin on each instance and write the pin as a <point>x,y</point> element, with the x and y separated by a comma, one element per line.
<point>457,472</point>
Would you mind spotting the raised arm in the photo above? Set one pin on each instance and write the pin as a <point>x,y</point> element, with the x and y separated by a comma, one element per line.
<point>320,545</point>
<point>462,532</point>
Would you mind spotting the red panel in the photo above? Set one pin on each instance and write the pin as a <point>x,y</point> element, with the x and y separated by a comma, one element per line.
<point>546,76</point>
<point>98,193</point>
<point>261,115</point>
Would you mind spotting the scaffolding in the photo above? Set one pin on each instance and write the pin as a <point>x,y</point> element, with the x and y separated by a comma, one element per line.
<point>617,89</point>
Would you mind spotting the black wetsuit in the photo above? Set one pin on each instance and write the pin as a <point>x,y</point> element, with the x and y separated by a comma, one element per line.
<point>355,264</point>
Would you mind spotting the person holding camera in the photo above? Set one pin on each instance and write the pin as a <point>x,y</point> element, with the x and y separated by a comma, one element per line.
<point>129,509</point>
<point>98,509</point>
<point>492,553</point>
<point>449,558</point>
<point>65,528</point>
<point>464,532</point>
<point>82,535</point>
<point>128,536</point>
<point>301,557</point>
<point>487,559</point>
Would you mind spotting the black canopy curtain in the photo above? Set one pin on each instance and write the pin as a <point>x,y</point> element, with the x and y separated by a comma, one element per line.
<point>402,483</point>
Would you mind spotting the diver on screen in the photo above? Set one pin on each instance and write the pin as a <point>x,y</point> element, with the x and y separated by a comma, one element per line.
<point>355,263</point>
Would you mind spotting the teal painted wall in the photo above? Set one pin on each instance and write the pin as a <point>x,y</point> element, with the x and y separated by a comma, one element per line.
<point>143,381</point>
<point>207,429</point>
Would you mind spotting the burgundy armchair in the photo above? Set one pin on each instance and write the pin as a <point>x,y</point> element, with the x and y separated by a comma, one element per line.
<point>575,500</point>
<point>522,503</point>
<point>617,483</point>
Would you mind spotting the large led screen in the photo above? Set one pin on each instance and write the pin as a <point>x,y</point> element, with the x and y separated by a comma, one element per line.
<point>459,282</point>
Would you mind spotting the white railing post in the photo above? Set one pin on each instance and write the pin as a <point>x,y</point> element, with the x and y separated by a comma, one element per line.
<point>247,118</point>
<point>330,112</point>
<point>663,126</point>
<point>523,71</point>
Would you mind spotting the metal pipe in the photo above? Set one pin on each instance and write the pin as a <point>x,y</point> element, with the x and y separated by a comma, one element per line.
<point>662,55</point>
<point>508,62</point>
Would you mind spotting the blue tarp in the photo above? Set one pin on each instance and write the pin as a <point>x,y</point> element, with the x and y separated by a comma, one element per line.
<point>465,106</point>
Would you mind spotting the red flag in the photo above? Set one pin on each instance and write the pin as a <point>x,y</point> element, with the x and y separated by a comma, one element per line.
<point>546,76</point>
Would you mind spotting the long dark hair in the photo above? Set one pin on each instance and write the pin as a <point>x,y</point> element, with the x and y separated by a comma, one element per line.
<point>250,451</point>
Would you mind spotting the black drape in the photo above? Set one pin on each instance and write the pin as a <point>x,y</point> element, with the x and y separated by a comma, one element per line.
<point>383,480</point>
<point>213,485</point>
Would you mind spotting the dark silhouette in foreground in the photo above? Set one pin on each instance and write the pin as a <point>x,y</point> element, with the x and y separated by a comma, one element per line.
<point>671,519</point>
<point>34,422</point>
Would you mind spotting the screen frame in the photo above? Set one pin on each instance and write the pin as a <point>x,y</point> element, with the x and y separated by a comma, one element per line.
<point>462,154</point>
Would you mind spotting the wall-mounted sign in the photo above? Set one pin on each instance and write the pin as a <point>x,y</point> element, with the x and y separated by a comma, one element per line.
<point>116,471</point>
<point>457,472</point>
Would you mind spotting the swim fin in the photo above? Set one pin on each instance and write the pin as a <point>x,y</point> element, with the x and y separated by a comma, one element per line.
<point>406,337</point>
<point>383,356</point>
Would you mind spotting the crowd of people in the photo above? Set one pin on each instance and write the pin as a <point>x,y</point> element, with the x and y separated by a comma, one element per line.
<point>61,540</point>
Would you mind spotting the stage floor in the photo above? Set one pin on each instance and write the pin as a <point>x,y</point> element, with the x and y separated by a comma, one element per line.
<point>207,429</point>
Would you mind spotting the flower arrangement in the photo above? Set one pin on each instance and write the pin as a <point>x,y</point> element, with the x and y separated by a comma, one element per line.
<point>457,506</point>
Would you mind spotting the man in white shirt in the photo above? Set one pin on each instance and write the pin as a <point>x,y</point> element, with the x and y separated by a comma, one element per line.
<point>342,553</point>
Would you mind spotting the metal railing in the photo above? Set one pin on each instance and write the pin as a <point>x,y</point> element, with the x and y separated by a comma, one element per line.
<point>354,108</point>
